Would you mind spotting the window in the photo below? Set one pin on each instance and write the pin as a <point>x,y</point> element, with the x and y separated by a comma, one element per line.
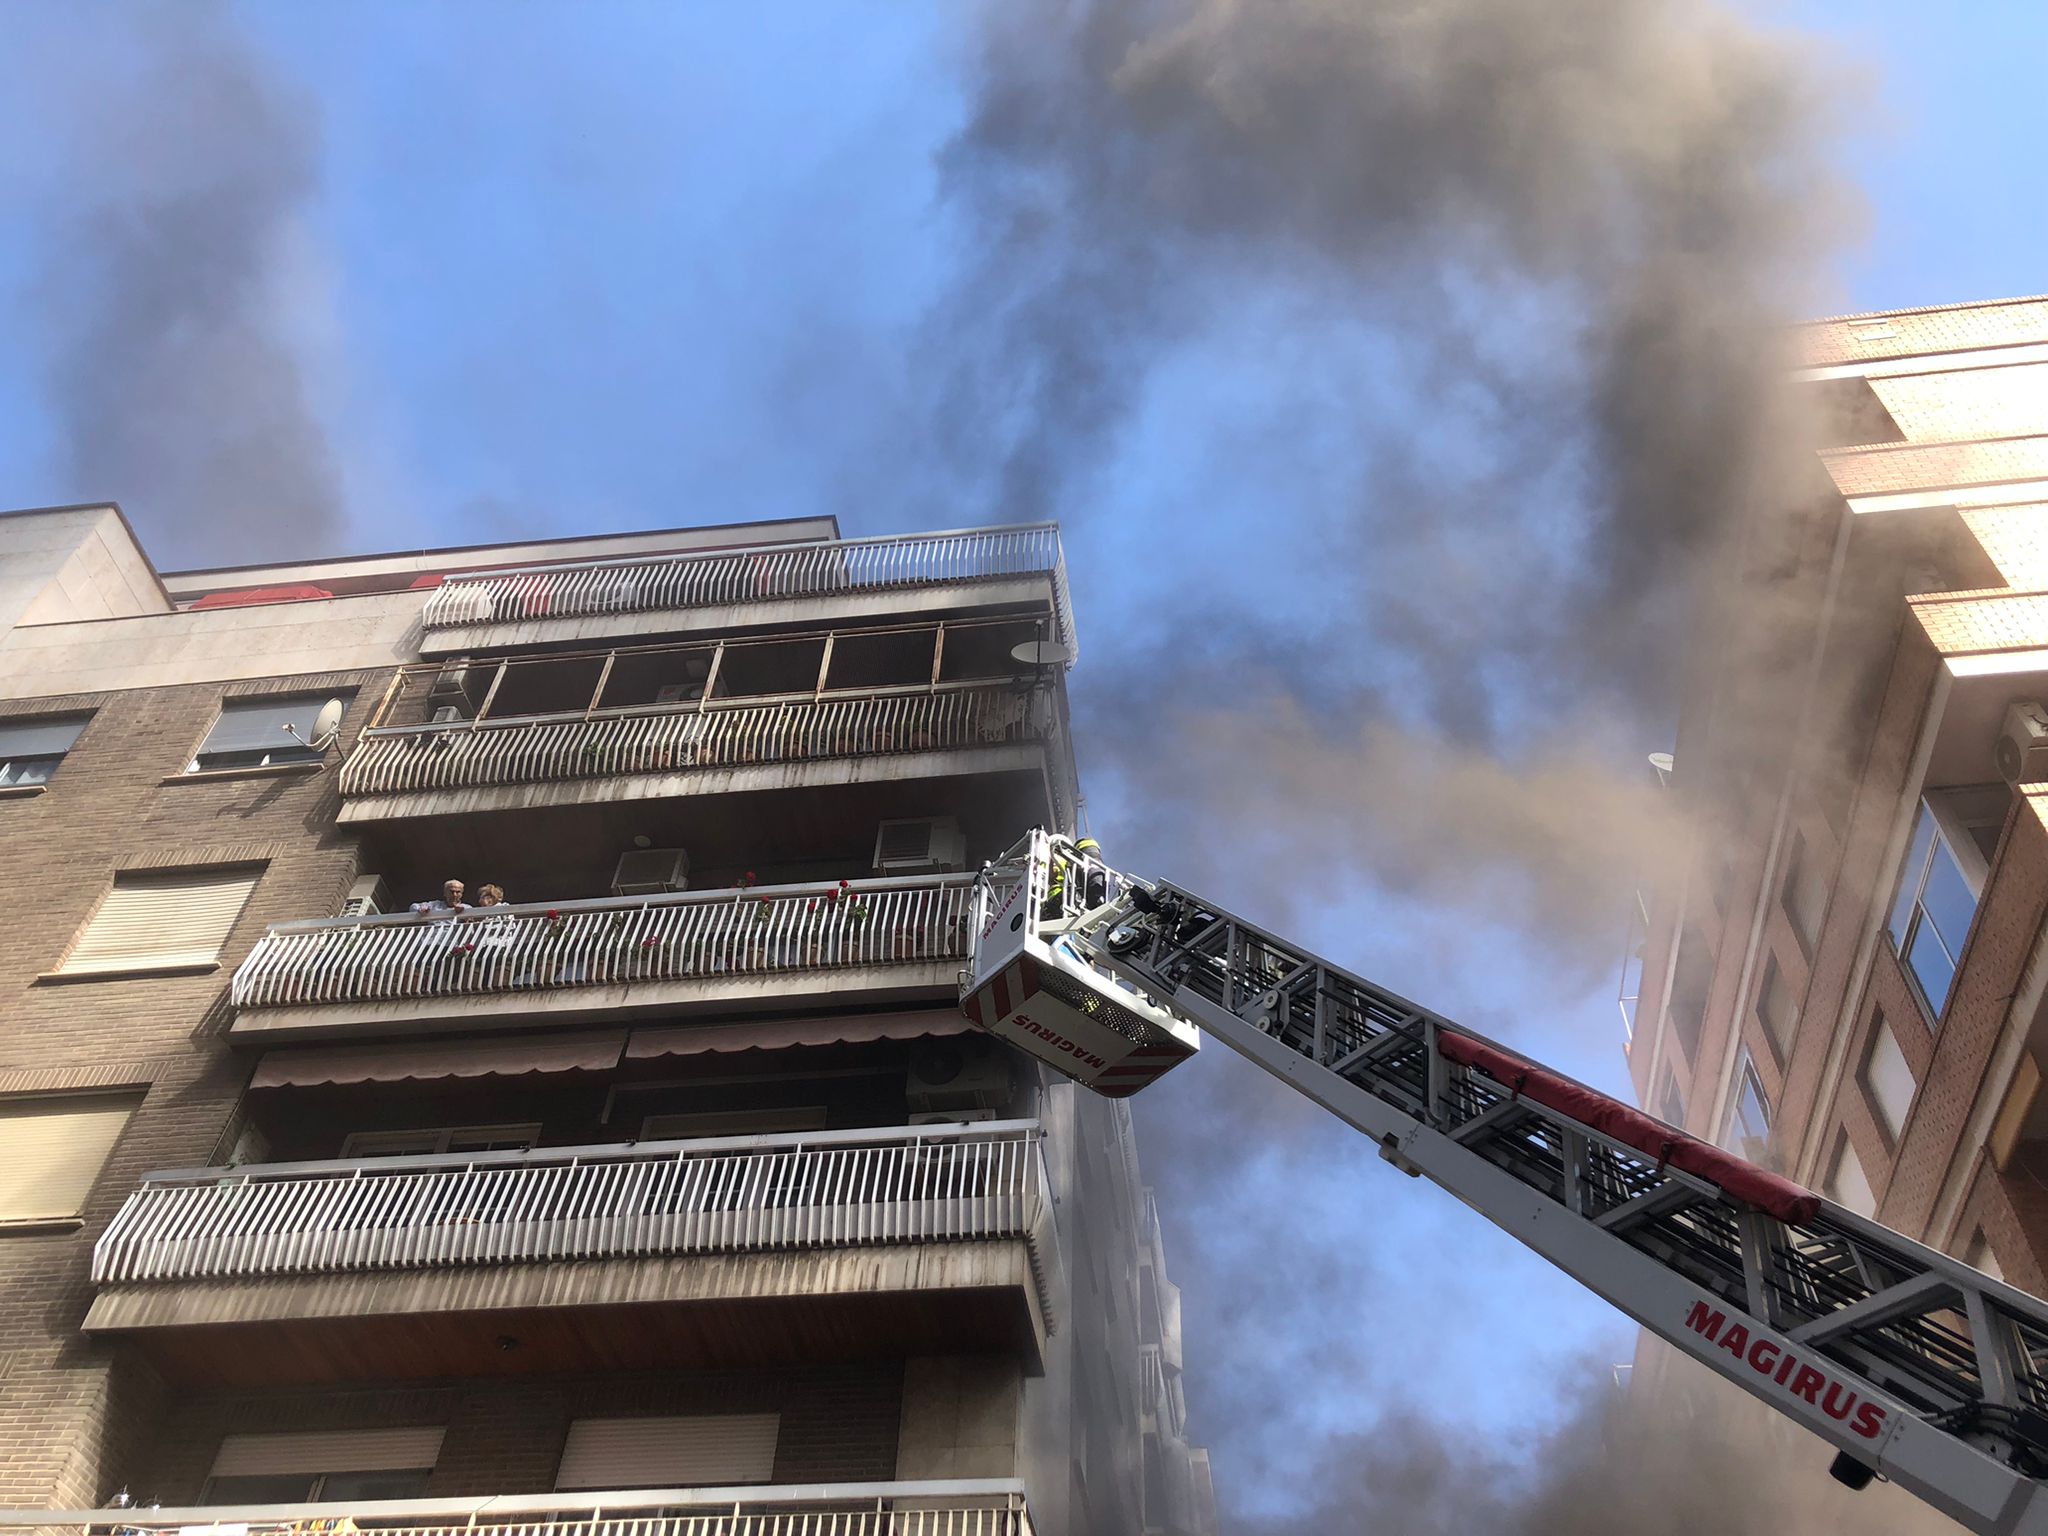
<point>1673,1106</point>
<point>737,1122</point>
<point>324,1466</point>
<point>1748,1131</point>
<point>52,1148</point>
<point>435,1140</point>
<point>711,1450</point>
<point>1805,891</point>
<point>250,733</point>
<point>1846,1185</point>
<point>1978,1256</point>
<point>1691,978</point>
<point>1777,1008</point>
<point>30,750</point>
<point>1939,884</point>
<point>1888,1079</point>
<point>162,920</point>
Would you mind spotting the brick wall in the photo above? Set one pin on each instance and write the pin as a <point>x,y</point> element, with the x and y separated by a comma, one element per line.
<point>68,1404</point>
<point>506,1436</point>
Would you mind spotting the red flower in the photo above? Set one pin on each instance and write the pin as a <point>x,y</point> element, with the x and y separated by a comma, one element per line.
<point>469,949</point>
<point>649,942</point>
<point>844,885</point>
<point>831,897</point>
<point>750,877</point>
<point>764,903</point>
<point>811,907</point>
<point>554,916</point>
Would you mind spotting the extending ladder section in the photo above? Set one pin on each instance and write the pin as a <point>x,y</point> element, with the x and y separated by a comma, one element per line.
<point>1912,1364</point>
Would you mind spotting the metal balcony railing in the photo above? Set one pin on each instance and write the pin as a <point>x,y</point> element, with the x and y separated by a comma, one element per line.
<point>718,578</point>
<point>693,935</point>
<point>1151,1382</point>
<point>821,1190</point>
<point>722,733</point>
<point>940,1507</point>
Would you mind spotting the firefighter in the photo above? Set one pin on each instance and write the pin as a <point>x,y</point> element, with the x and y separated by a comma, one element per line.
<point>1094,890</point>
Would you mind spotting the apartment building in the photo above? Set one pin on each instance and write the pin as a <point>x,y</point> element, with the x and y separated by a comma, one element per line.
<point>1845,980</point>
<point>671,1187</point>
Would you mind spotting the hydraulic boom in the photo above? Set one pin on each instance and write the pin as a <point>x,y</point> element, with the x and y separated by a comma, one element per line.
<point>1915,1366</point>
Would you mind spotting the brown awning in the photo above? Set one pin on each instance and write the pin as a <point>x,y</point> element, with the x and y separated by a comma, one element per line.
<point>500,1056</point>
<point>781,1034</point>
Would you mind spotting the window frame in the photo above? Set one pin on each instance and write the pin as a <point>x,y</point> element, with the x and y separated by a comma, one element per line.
<point>133,1096</point>
<point>9,780</point>
<point>444,1139</point>
<point>1747,1079</point>
<point>294,755</point>
<point>1949,825</point>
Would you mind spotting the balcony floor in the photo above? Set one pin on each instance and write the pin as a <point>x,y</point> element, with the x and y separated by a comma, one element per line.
<point>697,1312</point>
<point>1023,758</point>
<point>728,997</point>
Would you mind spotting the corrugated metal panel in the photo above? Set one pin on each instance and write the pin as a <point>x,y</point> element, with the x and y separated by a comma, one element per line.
<point>180,917</point>
<point>782,1034</point>
<point>710,1450</point>
<point>38,737</point>
<point>331,1450</point>
<point>51,1151</point>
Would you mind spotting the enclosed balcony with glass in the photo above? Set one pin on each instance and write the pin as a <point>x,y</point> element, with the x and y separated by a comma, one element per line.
<point>838,707</point>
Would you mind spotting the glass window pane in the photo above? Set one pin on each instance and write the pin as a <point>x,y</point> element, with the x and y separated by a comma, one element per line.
<point>27,770</point>
<point>261,1488</point>
<point>1931,965</point>
<point>1947,899</point>
<point>1909,876</point>
<point>356,1486</point>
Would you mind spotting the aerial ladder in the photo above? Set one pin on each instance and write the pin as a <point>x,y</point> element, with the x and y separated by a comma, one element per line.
<point>1915,1367</point>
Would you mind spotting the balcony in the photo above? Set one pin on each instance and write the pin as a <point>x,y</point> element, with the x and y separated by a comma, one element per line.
<point>988,1507</point>
<point>691,1253</point>
<point>721,745</point>
<point>827,581</point>
<point>880,940</point>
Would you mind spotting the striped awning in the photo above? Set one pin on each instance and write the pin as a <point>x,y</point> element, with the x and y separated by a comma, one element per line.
<point>498,1056</point>
<point>782,1034</point>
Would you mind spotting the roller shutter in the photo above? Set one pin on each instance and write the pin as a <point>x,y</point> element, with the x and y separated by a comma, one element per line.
<point>52,1150</point>
<point>330,1450</point>
<point>172,918</point>
<point>707,1451</point>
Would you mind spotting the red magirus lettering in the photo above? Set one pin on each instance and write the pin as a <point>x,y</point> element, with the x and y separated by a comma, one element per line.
<point>1735,1341</point>
<point>1807,1384</point>
<point>1869,1421</point>
<point>1701,1319</point>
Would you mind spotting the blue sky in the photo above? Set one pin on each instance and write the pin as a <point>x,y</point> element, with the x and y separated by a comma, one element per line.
<point>563,268</point>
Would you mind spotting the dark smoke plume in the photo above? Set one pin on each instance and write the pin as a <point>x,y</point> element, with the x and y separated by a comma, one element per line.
<point>167,288</point>
<point>1517,273</point>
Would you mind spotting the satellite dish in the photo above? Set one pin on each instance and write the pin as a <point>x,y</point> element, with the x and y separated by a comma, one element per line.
<point>326,727</point>
<point>1043,653</point>
<point>327,724</point>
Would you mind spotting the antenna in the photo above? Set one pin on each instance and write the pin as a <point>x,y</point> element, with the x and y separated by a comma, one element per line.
<point>326,727</point>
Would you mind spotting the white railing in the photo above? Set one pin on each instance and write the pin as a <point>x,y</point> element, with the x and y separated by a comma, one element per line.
<point>694,935</point>
<point>939,1507</point>
<point>1151,1381</point>
<point>717,578</point>
<point>827,1189</point>
<point>395,760</point>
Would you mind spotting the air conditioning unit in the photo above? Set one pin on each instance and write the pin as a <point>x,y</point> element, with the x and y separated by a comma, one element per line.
<point>946,1077</point>
<point>925,845</point>
<point>951,1116</point>
<point>459,684</point>
<point>367,897</point>
<point>651,872</point>
<point>449,714</point>
<point>2022,750</point>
